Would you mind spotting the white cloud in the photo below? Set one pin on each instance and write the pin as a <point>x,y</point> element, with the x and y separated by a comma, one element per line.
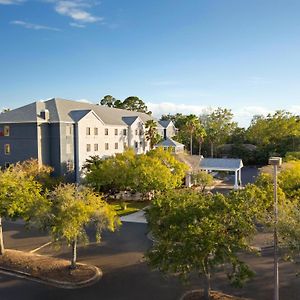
<point>10,2</point>
<point>33,26</point>
<point>159,109</point>
<point>76,9</point>
<point>242,115</point>
<point>73,24</point>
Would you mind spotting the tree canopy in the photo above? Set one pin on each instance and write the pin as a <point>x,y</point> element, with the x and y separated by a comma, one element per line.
<point>194,232</point>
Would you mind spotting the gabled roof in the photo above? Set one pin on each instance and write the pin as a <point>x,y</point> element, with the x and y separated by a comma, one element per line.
<point>60,110</point>
<point>129,120</point>
<point>221,164</point>
<point>165,123</point>
<point>168,142</point>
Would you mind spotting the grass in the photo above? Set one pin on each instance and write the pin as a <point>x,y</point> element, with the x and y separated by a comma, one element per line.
<point>132,207</point>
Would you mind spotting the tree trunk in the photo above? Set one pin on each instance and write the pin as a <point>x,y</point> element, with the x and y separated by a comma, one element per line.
<point>191,145</point>
<point>207,287</point>
<point>200,147</point>
<point>74,255</point>
<point>2,250</point>
<point>211,149</point>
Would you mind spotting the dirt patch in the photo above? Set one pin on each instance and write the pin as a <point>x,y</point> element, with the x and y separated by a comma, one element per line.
<point>46,267</point>
<point>214,295</point>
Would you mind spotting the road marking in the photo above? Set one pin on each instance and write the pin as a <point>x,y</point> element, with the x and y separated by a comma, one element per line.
<point>41,247</point>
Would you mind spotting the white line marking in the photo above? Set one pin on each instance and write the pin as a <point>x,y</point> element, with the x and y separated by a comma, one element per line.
<point>41,247</point>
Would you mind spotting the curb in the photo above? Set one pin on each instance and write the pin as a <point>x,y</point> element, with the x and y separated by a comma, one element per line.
<point>52,282</point>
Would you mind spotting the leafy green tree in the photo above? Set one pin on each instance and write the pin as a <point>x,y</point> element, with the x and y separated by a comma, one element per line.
<point>218,126</point>
<point>70,210</point>
<point>19,191</point>
<point>113,174</point>
<point>108,100</point>
<point>202,179</point>
<point>195,232</point>
<point>275,134</point>
<point>136,104</point>
<point>155,171</point>
<point>152,134</point>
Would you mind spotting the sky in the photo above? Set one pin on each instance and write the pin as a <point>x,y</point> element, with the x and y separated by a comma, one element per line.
<point>178,56</point>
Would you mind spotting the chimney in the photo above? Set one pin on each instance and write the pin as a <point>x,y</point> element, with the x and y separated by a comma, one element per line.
<point>45,114</point>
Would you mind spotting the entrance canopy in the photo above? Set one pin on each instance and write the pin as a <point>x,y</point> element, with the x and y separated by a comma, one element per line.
<point>223,164</point>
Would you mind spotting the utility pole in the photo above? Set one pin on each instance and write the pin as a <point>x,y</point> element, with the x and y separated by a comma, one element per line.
<point>275,162</point>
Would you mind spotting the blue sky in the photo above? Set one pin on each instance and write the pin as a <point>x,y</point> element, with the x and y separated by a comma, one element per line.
<point>175,55</point>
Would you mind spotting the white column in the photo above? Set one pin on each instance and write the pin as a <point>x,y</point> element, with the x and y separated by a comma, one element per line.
<point>235,180</point>
<point>240,177</point>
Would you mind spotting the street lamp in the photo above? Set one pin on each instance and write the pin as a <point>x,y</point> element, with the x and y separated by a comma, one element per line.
<point>275,162</point>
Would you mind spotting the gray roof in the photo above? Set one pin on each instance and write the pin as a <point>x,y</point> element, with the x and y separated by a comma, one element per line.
<point>169,143</point>
<point>129,120</point>
<point>221,164</point>
<point>164,123</point>
<point>62,110</point>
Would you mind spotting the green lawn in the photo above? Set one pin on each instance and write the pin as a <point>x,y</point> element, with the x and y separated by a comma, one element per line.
<point>132,206</point>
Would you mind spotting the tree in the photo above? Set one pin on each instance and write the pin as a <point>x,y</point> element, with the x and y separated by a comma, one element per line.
<point>192,125</point>
<point>136,104</point>
<point>152,134</point>
<point>157,170</point>
<point>70,210</point>
<point>108,100</point>
<point>275,134</point>
<point>202,179</point>
<point>200,134</point>
<point>218,126</point>
<point>195,232</point>
<point>18,194</point>
<point>113,174</point>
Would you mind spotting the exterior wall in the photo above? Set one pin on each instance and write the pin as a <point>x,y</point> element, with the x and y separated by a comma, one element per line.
<point>136,137</point>
<point>23,143</point>
<point>54,148</point>
<point>170,130</point>
<point>82,140</point>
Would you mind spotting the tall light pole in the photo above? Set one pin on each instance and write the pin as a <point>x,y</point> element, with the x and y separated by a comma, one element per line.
<point>275,162</point>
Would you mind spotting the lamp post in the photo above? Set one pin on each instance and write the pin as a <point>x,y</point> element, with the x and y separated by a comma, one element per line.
<point>275,162</point>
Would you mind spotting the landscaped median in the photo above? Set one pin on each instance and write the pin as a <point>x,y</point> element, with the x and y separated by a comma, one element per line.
<point>48,270</point>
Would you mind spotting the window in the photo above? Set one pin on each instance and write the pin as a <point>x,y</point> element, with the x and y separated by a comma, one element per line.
<point>136,132</point>
<point>136,144</point>
<point>88,147</point>
<point>116,146</point>
<point>70,165</point>
<point>124,132</point>
<point>88,131</point>
<point>141,132</point>
<point>6,165</point>
<point>95,131</point>
<point>116,131</point>
<point>6,131</point>
<point>125,145</point>
<point>106,131</point>
<point>106,146</point>
<point>96,147</point>
<point>141,143</point>
<point>7,149</point>
<point>68,149</point>
<point>68,130</point>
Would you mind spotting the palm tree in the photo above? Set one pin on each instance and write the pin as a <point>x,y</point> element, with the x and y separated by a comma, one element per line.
<point>151,133</point>
<point>200,135</point>
<point>192,125</point>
